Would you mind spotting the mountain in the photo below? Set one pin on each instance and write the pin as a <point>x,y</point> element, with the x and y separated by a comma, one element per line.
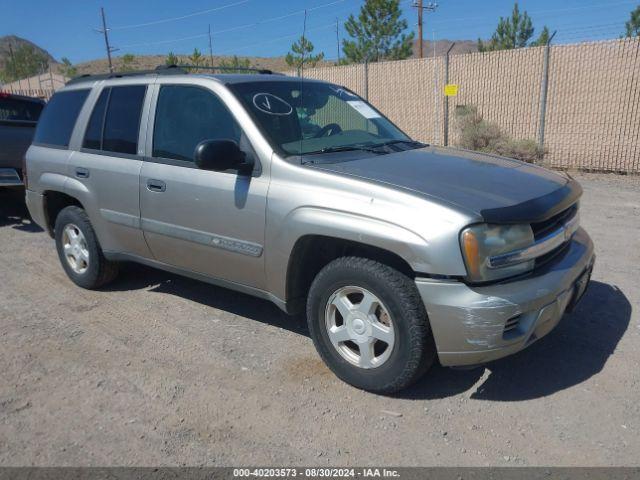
<point>14,42</point>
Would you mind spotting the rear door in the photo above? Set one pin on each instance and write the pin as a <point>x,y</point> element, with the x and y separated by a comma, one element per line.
<point>106,168</point>
<point>211,223</point>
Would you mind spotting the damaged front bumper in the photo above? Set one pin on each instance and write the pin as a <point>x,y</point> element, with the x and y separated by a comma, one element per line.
<point>474,325</point>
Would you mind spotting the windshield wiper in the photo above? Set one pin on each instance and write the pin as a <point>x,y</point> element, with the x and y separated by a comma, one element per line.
<point>342,148</point>
<point>395,142</point>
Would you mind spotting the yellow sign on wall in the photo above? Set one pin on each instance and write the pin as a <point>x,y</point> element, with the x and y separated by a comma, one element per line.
<point>451,90</point>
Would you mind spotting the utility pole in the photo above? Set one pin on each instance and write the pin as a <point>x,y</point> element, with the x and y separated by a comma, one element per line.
<point>429,7</point>
<point>105,32</point>
<point>338,40</point>
<point>210,46</point>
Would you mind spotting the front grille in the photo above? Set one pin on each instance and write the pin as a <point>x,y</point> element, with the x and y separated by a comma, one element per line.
<point>542,229</point>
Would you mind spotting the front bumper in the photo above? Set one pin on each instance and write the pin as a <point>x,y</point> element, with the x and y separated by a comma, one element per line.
<point>9,177</point>
<point>474,325</point>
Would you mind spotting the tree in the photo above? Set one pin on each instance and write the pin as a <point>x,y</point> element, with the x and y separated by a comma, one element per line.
<point>235,64</point>
<point>377,33</point>
<point>127,62</point>
<point>302,54</point>
<point>513,32</point>
<point>543,39</point>
<point>196,59</point>
<point>25,62</point>
<point>633,25</point>
<point>171,59</point>
<point>67,69</point>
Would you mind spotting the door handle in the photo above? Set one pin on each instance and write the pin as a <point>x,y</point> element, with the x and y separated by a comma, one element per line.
<point>156,185</point>
<point>82,172</point>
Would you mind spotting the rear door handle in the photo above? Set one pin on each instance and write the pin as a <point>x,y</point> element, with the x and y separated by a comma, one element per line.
<point>82,172</point>
<point>156,185</point>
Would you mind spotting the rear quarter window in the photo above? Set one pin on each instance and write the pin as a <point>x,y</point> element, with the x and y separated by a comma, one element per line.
<point>59,117</point>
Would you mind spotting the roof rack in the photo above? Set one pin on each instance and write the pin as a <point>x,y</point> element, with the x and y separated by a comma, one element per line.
<point>262,71</point>
<point>166,70</point>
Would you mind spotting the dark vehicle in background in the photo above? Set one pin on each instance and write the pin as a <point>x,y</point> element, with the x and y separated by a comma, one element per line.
<point>18,118</point>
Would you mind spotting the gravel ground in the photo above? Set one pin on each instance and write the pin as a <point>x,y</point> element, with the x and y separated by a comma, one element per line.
<point>162,370</point>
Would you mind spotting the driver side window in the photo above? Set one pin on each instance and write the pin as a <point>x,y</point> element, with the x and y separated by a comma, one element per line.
<point>187,115</point>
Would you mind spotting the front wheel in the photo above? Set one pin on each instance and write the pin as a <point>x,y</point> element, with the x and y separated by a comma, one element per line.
<point>369,325</point>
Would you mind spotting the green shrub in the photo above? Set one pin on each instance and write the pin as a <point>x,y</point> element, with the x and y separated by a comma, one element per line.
<point>475,133</point>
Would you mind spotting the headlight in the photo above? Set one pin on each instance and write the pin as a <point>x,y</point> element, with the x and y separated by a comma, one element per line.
<point>479,242</point>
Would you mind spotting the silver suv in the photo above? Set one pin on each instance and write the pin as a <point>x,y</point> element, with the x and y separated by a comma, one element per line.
<point>300,192</point>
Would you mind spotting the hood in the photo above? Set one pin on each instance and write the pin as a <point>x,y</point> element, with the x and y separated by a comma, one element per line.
<point>501,190</point>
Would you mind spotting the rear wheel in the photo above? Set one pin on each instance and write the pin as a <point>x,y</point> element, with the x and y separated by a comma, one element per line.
<point>369,325</point>
<point>79,251</point>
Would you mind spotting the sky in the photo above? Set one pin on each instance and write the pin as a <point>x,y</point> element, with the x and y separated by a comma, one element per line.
<point>268,27</point>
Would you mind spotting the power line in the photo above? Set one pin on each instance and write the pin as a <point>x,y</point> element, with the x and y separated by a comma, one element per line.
<point>161,42</point>
<point>181,17</point>
<point>232,29</point>
<point>540,12</point>
<point>277,39</point>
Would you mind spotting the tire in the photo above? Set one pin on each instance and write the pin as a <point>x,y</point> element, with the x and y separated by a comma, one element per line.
<point>413,350</point>
<point>96,271</point>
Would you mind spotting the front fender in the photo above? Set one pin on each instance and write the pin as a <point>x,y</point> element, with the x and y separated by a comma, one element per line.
<point>305,221</point>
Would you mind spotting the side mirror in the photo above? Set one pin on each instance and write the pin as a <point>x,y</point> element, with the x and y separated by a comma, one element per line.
<point>220,155</point>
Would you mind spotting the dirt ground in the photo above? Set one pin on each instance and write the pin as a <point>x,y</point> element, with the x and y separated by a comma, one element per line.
<point>162,370</point>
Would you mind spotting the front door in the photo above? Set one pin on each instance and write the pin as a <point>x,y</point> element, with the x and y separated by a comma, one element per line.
<point>211,223</point>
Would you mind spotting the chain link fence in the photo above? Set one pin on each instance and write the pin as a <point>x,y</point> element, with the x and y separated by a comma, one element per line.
<point>589,118</point>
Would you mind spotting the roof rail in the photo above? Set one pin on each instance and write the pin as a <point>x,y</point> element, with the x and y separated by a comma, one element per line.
<point>160,70</point>
<point>221,68</point>
<point>167,70</point>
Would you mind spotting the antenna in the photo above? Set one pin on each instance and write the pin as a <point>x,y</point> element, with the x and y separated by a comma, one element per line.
<point>304,38</point>
<point>338,40</point>
<point>210,46</point>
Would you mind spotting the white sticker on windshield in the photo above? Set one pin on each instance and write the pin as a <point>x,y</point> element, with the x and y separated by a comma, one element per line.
<point>363,109</point>
<point>269,103</point>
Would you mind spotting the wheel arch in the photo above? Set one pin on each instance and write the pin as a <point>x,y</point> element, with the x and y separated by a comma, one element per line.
<point>313,252</point>
<point>54,202</point>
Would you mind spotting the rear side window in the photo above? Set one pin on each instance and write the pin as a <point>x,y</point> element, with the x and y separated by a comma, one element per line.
<point>59,117</point>
<point>22,110</point>
<point>115,120</point>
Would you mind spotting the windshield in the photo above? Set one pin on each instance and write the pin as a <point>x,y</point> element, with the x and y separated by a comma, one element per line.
<point>315,117</point>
